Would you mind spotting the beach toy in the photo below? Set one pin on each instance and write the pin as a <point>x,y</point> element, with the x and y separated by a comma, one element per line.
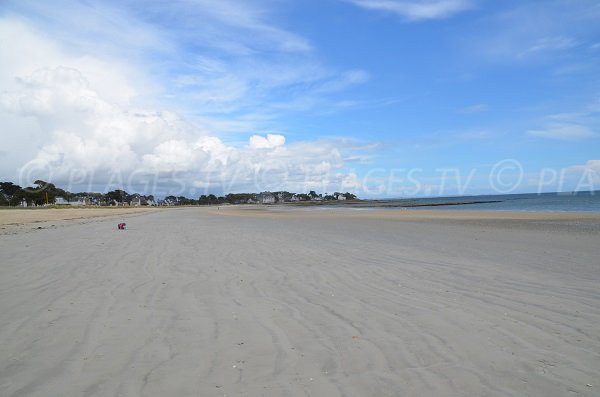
<point>121,226</point>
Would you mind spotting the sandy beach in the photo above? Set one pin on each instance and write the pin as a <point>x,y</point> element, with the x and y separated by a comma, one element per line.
<point>305,302</point>
<point>19,217</point>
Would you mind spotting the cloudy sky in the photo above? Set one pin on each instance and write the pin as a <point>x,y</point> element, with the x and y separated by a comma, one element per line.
<point>384,98</point>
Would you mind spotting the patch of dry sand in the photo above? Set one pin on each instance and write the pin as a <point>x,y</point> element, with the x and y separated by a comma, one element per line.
<point>33,215</point>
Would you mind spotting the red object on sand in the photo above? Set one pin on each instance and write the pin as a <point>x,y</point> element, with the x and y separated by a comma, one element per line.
<point>121,226</point>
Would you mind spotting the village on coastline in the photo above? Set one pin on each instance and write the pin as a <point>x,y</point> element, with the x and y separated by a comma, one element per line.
<point>47,194</point>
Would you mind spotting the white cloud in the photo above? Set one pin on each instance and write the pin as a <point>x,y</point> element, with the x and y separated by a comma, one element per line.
<point>270,142</point>
<point>31,50</point>
<point>415,10</point>
<point>82,104</point>
<point>565,132</point>
<point>91,138</point>
<point>34,104</point>
<point>570,126</point>
<point>238,60</point>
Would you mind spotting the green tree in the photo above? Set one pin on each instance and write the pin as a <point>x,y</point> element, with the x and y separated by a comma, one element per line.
<point>118,195</point>
<point>350,196</point>
<point>171,200</point>
<point>9,188</point>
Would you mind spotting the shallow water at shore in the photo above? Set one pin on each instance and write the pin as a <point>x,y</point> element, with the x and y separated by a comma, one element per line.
<point>546,202</point>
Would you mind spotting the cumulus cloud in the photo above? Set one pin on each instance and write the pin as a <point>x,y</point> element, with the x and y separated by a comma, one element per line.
<point>237,61</point>
<point>79,106</point>
<point>94,139</point>
<point>30,50</point>
<point>415,10</point>
<point>83,129</point>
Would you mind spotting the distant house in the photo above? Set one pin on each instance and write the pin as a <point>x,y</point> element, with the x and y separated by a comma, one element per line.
<point>60,200</point>
<point>168,202</point>
<point>79,201</point>
<point>136,201</point>
<point>340,197</point>
<point>265,198</point>
<point>24,203</point>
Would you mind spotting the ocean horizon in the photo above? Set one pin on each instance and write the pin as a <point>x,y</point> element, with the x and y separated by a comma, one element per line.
<point>588,201</point>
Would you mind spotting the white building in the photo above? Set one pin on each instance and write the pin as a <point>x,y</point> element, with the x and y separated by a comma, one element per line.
<point>265,198</point>
<point>60,200</point>
<point>136,201</point>
<point>78,201</point>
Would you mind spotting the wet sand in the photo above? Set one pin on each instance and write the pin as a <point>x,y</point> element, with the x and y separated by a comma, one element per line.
<point>246,301</point>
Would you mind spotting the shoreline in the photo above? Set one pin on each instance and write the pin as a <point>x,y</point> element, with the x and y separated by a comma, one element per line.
<point>400,203</point>
<point>25,216</point>
<point>379,213</point>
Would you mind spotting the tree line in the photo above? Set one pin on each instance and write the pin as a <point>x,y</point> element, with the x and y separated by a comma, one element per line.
<point>47,193</point>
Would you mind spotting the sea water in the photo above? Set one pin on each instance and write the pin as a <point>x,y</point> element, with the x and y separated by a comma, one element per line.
<point>547,202</point>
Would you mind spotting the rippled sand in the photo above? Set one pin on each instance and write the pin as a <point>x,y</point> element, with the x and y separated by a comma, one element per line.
<point>207,302</point>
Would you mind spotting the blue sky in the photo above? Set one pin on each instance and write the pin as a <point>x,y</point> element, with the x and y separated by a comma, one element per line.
<point>385,98</point>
